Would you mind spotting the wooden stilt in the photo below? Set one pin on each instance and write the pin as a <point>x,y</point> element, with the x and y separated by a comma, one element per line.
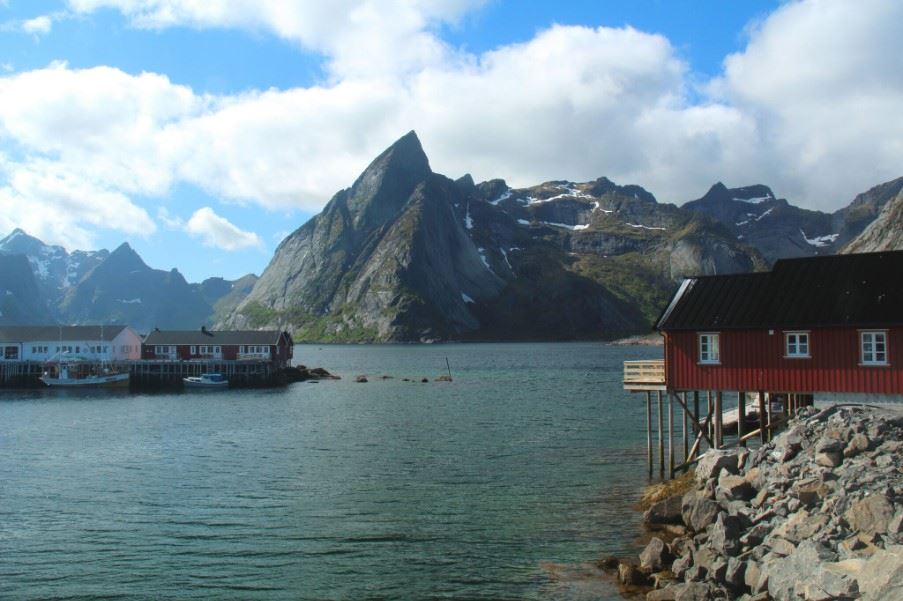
<point>710,406</point>
<point>670,435</point>
<point>661,436</point>
<point>763,434</point>
<point>741,417</point>
<point>686,432</point>
<point>695,409</point>
<point>701,429</point>
<point>649,431</point>
<point>719,421</point>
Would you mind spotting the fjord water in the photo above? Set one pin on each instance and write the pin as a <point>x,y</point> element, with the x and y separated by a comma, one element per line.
<point>504,484</point>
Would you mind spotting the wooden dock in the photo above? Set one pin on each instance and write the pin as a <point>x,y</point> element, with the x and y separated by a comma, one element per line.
<point>757,415</point>
<point>158,375</point>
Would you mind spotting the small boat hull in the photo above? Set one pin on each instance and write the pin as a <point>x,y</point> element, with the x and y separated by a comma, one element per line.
<point>206,382</point>
<point>102,381</point>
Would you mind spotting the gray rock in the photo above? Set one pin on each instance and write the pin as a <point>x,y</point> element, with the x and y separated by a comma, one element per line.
<point>667,511</point>
<point>630,575</point>
<point>681,565</point>
<point>655,556</point>
<point>725,535</point>
<point>733,488</point>
<point>698,511</point>
<point>859,443</point>
<point>881,579</point>
<point>870,515</point>
<point>663,594</point>
<point>735,574</point>
<point>713,461</point>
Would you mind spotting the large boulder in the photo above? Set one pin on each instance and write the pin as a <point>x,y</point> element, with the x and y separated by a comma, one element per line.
<point>655,556</point>
<point>667,511</point>
<point>714,460</point>
<point>870,515</point>
<point>698,511</point>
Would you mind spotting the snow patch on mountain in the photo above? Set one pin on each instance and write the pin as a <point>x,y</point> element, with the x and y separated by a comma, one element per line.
<point>819,241</point>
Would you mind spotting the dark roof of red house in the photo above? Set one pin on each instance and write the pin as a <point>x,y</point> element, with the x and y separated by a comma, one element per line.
<point>858,290</point>
<point>223,338</point>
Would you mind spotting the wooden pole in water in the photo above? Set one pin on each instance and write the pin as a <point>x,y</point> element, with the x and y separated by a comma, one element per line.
<point>763,432</point>
<point>448,366</point>
<point>661,435</point>
<point>741,417</point>
<point>649,431</point>
<point>719,420</point>
<point>670,435</point>
<point>686,433</point>
<point>709,411</point>
<point>696,407</point>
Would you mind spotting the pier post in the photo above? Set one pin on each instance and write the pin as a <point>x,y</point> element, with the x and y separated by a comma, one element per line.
<point>649,431</point>
<point>709,412</point>
<point>670,435</point>
<point>686,432</point>
<point>741,418</point>
<point>661,436</point>
<point>763,432</point>
<point>719,421</point>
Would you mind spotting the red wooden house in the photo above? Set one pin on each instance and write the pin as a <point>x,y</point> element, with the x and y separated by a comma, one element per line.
<point>236,345</point>
<point>819,325</point>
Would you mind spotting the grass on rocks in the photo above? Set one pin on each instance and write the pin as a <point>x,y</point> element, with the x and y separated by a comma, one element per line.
<point>665,490</point>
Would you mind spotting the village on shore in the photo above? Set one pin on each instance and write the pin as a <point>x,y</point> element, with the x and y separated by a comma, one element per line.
<point>81,355</point>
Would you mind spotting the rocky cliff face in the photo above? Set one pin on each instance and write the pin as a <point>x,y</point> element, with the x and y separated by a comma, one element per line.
<point>884,233</point>
<point>407,254</point>
<point>21,302</point>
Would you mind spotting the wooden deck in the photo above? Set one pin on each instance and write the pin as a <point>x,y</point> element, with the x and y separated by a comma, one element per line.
<point>644,375</point>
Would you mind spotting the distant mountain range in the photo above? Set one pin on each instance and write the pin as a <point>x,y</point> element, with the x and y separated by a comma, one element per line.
<point>406,254</point>
<point>45,284</point>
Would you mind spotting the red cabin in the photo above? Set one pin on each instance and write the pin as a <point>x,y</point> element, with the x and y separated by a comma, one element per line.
<point>204,344</point>
<point>830,325</point>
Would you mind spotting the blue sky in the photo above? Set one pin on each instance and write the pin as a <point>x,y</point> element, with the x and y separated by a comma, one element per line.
<point>203,132</point>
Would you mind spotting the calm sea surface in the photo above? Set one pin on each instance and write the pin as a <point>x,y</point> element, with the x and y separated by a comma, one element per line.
<point>504,484</point>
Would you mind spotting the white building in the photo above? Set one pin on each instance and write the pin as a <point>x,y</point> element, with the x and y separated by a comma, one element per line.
<point>52,343</point>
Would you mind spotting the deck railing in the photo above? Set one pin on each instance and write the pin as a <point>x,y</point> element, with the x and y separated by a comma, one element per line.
<point>644,373</point>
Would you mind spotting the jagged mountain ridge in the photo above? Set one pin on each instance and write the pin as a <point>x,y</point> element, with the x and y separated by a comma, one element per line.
<point>778,229</point>
<point>54,269</point>
<point>46,284</point>
<point>407,254</point>
<point>884,233</point>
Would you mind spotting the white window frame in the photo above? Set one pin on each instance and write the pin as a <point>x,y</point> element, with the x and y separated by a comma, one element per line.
<point>793,350</point>
<point>194,350</point>
<point>872,339</point>
<point>709,337</point>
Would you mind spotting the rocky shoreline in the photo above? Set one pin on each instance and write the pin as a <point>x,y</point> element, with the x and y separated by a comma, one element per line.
<point>816,514</point>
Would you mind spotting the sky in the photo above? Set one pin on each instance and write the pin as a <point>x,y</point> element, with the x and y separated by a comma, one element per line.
<point>203,132</point>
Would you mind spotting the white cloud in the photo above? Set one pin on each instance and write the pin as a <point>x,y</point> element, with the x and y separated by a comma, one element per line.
<point>218,232</point>
<point>171,221</point>
<point>824,81</point>
<point>62,207</point>
<point>359,37</point>
<point>38,25</point>
<point>809,107</point>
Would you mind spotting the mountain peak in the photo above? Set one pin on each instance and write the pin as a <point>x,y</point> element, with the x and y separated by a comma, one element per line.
<point>124,257</point>
<point>387,183</point>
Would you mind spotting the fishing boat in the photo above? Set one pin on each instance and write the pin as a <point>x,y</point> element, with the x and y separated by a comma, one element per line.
<point>73,376</point>
<point>75,372</point>
<point>211,381</point>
